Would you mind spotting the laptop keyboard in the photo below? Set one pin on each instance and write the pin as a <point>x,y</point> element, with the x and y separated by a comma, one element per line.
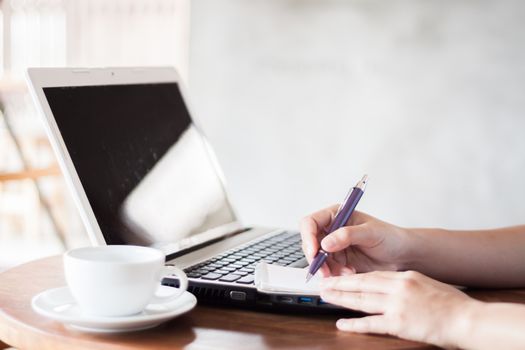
<point>238,265</point>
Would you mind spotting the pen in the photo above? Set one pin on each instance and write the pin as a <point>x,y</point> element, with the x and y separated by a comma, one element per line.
<point>341,218</point>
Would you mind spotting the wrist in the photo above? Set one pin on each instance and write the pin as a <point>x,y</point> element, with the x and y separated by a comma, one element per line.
<point>408,256</point>
<point>420,248</point>
<point>462,323</point>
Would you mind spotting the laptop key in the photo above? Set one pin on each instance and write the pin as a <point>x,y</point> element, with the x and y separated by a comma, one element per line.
<point>230,278</point>
<point>270,260</point>
<point>209,268</point>
<point>245,280</point>
<point>211,276</point>
<point>297,256</point>
<point>299,263</point>
<point>274,255</point>
<point>214,266</point>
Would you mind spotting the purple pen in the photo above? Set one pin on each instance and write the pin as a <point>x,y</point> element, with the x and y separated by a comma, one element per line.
<point>341,218</point>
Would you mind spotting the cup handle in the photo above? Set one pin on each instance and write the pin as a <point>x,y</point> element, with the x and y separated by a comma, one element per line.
<point>183,284</point>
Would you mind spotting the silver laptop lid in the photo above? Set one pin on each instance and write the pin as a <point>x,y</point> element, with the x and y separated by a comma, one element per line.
<point>147,172</point>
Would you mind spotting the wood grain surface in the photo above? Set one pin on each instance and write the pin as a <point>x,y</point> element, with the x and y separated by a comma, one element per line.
<point>202,328</point>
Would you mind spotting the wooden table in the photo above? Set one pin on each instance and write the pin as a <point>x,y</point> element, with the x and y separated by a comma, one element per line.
<point>202,328</point>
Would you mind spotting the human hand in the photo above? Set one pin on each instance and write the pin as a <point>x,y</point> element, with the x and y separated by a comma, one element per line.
<point>407,304</point>
<point>364,244</point>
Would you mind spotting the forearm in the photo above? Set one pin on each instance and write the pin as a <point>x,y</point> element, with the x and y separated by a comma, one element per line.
<point>489,326</point>
<point>488,258</point>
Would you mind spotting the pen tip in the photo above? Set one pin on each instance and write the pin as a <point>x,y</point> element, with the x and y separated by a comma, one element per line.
<point>362,183</point>
<point>309,277</point>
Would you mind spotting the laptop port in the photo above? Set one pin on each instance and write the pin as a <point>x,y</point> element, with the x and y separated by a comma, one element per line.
<point>236,295</point>
<point>285,299</point>
<point>305,300</point>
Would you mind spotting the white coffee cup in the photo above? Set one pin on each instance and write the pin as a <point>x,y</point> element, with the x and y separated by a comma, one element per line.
<point>118,280</point>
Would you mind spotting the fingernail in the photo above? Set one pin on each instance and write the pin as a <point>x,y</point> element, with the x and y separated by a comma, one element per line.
<point>340,323</point>
<point>328,243</point>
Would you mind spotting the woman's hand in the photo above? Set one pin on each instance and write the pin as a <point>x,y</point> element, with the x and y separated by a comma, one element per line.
<point>404,304</point>
<point>365,244</point>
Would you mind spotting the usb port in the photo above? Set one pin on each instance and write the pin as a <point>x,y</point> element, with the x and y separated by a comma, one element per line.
<point>305,300</point>
<point>322,302</point>
<point>285,299</point>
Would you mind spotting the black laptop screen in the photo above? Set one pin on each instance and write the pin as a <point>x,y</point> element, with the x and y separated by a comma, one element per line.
<point>142,163</point>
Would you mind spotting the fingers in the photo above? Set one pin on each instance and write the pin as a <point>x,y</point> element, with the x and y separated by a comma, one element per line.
<point>373,303</point>
<point>324,217</point>
<point>333,268</point>
<point>312,227</point>
<point>338,269</point>
<point>358,218</point>
<point>369,324</point>
<point>324,271</point>
<point>367,292</point>
<point>309,237</point>
<point>372,282</point>
<point>346,236</point>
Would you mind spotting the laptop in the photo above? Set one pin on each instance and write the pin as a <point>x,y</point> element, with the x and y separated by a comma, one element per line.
<point>141,172</point>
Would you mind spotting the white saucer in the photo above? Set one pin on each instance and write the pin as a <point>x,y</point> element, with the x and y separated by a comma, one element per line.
<point>59,305</point>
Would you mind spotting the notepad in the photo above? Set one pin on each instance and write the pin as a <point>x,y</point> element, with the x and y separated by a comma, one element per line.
<point>275,279</point>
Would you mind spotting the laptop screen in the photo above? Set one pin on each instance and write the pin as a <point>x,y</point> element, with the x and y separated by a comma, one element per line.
<point>143,164</point>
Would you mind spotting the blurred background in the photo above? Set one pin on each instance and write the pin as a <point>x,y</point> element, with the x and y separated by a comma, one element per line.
<point>299,98</point>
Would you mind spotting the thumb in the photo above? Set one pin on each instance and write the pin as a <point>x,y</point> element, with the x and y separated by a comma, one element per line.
<point>346,236</point>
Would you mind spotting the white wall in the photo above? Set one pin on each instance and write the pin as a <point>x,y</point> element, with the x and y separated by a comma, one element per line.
<point>301,97</point>
<point>94,33</point>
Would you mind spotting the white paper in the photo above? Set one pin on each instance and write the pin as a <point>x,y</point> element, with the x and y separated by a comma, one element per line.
<point>275,279</point>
